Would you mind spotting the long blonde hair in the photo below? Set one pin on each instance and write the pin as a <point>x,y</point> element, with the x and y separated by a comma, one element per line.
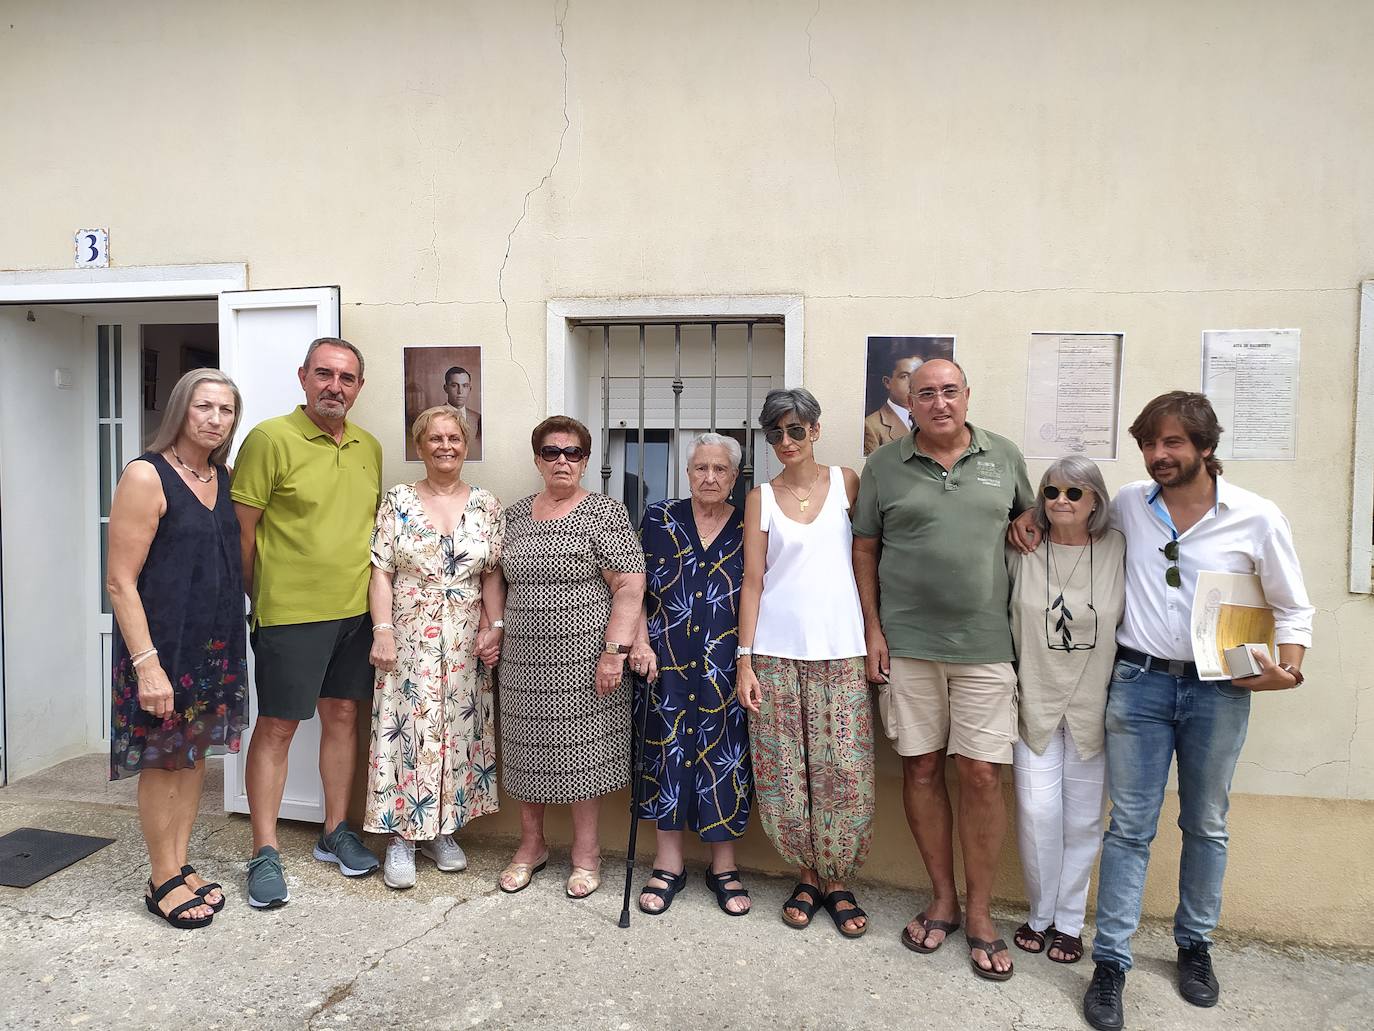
<point>174,417</point>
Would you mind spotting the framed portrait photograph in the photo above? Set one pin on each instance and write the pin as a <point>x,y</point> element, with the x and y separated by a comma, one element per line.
<point>443,374</point>
<point>891,362</point>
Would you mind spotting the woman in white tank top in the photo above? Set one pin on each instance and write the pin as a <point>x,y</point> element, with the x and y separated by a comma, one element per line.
<point>801,668</point>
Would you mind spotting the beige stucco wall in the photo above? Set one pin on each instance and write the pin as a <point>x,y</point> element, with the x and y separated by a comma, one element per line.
<point>987,169</point>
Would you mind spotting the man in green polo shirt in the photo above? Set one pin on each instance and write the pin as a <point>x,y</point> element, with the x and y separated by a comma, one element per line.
<point>929,523</point>
<point>306,487</point>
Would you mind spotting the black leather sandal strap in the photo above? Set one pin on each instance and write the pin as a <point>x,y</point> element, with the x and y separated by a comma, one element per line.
<point>169,885</point>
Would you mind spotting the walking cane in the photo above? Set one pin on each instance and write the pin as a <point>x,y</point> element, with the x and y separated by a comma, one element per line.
<point>637,776</point>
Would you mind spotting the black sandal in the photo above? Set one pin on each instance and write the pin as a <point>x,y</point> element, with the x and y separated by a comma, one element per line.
<point>798,900</point>
<point>674,882</point>
<point>189,871</point>
<point>1028,932</point>
<point>1070,946</point>
<point>717,882</point>
<point>175,917</point>
<point>843,916</point>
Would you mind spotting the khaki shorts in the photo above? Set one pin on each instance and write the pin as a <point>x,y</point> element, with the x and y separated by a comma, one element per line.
<point>966,708</point>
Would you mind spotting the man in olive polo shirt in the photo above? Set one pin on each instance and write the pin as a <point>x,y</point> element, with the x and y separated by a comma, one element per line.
<point>929,523</point>
<point>306,487</point>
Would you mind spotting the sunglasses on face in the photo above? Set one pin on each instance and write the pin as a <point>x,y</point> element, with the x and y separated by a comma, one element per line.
<point>1052,492</point>
<point>796,431</point>
<point>549,453</point>
<point>1172,576</point>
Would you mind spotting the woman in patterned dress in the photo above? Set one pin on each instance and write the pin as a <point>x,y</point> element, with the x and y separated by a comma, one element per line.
<point>575,582</point>
<point>436,597</point>
<point>175,582</point>
<point>801,667</point>
<point>697,738</point>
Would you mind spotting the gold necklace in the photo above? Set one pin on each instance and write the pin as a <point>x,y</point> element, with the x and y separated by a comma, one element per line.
<point>802,501</point>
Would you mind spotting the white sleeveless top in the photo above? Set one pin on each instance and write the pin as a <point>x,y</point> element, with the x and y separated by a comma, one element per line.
<point>809,608</point>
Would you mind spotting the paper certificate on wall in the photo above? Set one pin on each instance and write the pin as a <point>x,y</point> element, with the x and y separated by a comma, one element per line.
<point>1228,610</point>
<point>1073,394</point>
<point>1251,378</point>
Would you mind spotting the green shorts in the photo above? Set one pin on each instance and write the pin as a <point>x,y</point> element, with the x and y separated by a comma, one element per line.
<point>297,664</point>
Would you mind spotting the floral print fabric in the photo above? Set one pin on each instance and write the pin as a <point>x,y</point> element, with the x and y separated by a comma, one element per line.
<point>813,762</point>
<point>697,772</point>
<point>433,755</point>
<point>191,587</point>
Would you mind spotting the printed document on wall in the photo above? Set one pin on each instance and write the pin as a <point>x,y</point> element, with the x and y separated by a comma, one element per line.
<point>1251,378</point>
<point>1229,609</point>
<point>1073,394</point>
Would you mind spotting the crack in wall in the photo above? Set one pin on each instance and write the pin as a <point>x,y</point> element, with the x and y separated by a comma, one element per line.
<point>558,20</point>
<point>834,104</point>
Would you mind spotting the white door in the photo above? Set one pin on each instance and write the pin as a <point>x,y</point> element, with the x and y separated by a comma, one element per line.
<point>46,421</point>
<point>263,335</point>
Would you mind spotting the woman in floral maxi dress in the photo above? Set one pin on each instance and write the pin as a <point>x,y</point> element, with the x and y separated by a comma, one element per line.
<point>436,600</point>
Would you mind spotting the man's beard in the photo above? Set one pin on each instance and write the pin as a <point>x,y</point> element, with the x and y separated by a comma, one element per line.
<point>1176,474</point>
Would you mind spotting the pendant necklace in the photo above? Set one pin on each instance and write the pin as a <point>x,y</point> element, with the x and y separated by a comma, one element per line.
<point>203,479</point>
<point>802,502</point>
<point>1065,617</point>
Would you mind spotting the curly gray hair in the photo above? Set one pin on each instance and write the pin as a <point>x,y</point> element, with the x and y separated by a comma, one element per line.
<point>730,444</point>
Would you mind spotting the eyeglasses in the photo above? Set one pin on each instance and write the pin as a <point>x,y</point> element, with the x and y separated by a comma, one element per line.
<point>1051,492</point>
<point>1058,617</point>
<point>549,453</point>
<point>1172,576</point>
<point>927,395</point>
<point>796,431</point>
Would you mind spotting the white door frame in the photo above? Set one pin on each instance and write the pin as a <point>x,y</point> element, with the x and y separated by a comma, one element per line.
<point>137,283</point>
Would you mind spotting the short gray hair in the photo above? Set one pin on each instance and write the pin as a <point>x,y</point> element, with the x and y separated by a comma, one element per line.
<point>730,444</point>
<point>779,403</point>
<point>333,342</point>
<point>1076,471</point>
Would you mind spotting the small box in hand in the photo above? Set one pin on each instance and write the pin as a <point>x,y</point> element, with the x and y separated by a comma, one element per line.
<point>1241,662</point>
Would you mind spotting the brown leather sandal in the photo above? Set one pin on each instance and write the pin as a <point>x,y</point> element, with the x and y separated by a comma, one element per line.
<point>1026,933</point>
<point>1070,946</point>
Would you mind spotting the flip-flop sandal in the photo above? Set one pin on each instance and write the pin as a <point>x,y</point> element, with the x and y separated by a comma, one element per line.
<point>798,900</point>
<point>991,948</point>
<point>521,874</point>
<point>927,925</point>
<point>1071,946</point>
<point>843,916</point>
<point>717,883</point>
<point>204,890</point>
<point>1027,931</point>
<point>674,882</point>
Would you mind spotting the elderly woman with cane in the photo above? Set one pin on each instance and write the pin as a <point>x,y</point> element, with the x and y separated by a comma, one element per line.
<point>696,773</point>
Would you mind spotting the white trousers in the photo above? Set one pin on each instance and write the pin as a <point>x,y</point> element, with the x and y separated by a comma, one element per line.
<point>1059,805</point>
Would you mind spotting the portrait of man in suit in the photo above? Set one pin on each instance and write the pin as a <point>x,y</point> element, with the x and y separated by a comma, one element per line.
<point>892,361</point>
<point>444,374</point>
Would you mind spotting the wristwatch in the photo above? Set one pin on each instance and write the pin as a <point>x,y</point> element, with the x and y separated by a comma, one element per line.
<point>611,648</point>
<point>1293,672</point>
<point>743,653</point>
<point>496,624</point>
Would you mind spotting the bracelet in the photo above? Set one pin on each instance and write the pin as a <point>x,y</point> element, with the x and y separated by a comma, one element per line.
<point>383,626</point>
<point>1293,672</point>
<point>144,657</point>
<point>497,624</point>
<point>145,651</point>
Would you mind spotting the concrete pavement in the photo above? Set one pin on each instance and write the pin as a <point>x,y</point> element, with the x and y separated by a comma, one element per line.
<point>80,950</point>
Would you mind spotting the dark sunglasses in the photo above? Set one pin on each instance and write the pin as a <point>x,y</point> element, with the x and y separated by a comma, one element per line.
<point>549,453</point>
<point>1172,576</point>
<point>796,431</point>
<point>1072,493</point>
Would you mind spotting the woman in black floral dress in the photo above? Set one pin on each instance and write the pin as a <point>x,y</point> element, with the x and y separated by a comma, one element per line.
<point>176,585</point>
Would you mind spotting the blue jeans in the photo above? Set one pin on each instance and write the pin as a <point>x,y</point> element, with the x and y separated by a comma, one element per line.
<point>1151,716</point>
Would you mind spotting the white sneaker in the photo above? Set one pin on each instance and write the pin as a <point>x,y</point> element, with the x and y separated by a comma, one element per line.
<point>446,853</point>
<point>398,871</point>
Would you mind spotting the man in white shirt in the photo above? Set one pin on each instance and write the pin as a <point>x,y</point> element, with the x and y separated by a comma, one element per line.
<point>1183,520</point>
<point>893,420</point>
